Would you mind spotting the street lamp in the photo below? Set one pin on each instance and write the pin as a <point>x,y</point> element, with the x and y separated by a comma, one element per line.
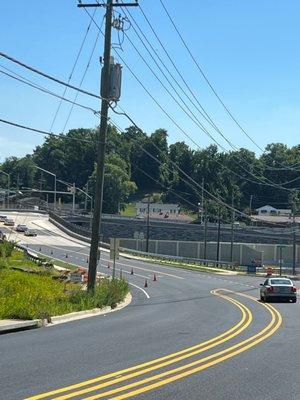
<point>50,173</point>
<point>8,186</point>
<point>72,188</point>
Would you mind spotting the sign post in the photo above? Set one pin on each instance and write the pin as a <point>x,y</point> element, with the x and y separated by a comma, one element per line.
<point>114,253</point>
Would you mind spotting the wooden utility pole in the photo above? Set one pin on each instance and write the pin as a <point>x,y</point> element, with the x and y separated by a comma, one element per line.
<point>219,234</point>
<point>232,228</point>
<point>294,238</point>
<point>148,225</point>
<point>205,231</point>
<point>102,134</point>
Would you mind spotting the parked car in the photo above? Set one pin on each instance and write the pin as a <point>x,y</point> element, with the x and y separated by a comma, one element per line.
<point>9,222</point>
<point>21,228</point>
<point>3,218</point>
<point>30,232</point>
<point>278,288</point>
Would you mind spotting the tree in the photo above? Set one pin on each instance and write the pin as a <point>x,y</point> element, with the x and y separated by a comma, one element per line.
<point>117,184</point>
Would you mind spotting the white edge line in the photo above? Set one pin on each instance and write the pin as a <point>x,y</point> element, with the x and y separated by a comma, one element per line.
<point>144,291</point>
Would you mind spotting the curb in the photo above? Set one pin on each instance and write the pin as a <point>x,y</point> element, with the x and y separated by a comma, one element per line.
<point>18,325</point>
<point>74,316</point>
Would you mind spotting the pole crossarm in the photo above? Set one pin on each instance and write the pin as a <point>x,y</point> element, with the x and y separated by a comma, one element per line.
<point>81,5</point>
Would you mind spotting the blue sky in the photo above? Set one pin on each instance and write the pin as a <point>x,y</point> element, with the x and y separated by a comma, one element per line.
<point>248,49</point>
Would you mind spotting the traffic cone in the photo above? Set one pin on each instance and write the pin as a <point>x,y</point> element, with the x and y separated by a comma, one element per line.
<point>87,260</point>
<point>154,278</point>
<point>66,255</point>
<point>146,283</point>
<point>131,272</point>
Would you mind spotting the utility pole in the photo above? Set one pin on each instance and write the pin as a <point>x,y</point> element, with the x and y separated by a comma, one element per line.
<point>105,94</point>
<point>232,228</point>
<point>250,208</point>
<point>148,225</point>
<point>205,231</point>
<point>219,234</point>
<point>202,199</point>
<point>294,238</point>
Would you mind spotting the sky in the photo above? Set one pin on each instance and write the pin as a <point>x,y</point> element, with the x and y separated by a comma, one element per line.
<point>249,51</point>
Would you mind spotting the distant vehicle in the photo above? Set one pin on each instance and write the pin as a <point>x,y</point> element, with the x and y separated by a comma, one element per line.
<point>278,288</point>
<point>21,228</point>
<point>30,232</point>
<point>3,218</point>
<point>9,222</point>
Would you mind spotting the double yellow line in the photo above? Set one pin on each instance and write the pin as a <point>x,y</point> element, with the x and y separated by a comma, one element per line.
<point>154,381</point>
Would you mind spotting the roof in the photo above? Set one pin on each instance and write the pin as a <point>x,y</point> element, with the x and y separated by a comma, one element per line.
<point>267,206</point>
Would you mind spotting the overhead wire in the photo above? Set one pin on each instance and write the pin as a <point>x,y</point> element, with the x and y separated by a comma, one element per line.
<point>226,108</point>
<point>72,70</point>
<point>187,111</point>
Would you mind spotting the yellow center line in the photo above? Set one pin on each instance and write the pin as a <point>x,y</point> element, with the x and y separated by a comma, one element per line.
<point>206,362</point>
<point>188,352</point>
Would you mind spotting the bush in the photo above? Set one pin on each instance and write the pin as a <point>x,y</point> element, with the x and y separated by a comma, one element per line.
<point>30,296</point>
<point>6,249</point>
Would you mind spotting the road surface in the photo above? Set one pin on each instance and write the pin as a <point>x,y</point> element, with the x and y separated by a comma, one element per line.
<point>188,335</point>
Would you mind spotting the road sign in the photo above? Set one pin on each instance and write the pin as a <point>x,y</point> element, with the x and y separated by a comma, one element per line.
<point>114,248</point>
<point>76,277</point>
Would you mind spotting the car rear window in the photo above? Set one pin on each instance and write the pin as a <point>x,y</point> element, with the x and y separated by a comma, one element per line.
<point>280,282</point>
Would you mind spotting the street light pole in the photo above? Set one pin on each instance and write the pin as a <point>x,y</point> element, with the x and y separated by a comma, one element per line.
<point>50,173</point>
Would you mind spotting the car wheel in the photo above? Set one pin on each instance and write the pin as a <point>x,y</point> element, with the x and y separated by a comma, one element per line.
<point>262,298</point>
<point>294,300</point>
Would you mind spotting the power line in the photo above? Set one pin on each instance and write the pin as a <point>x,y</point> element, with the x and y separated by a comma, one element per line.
<point>32,69</point>
<point>83,77</point>
<point>72,72</point>
<point>192,116</point>
<point>60,136</point>
<point>226,108</point>
<point>30,83</point>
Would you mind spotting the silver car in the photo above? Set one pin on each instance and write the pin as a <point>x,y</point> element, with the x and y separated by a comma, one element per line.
<point>278,288</point>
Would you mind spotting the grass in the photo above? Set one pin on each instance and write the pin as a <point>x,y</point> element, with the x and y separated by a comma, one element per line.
<point>29,291</point>
<point>30,296</point>
<point>130,210</point>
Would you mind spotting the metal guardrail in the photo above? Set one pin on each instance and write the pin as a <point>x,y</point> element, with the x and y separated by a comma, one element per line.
<point>187,260</point>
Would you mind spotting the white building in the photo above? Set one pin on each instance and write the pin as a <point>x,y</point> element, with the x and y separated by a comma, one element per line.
<point>269,210</point>
<point>158,209</point>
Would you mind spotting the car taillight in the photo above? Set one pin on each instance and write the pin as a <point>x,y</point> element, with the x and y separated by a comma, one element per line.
<point>270,289</point>
<point>294,289</point>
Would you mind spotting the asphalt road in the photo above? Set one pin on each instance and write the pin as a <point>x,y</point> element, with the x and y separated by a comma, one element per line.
<point>230,346</point>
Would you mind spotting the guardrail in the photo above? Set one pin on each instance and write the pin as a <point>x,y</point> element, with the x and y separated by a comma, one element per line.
<point>213,263</point>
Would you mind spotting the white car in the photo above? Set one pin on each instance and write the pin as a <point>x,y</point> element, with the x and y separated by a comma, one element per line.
<point>278,288</point>
<point>9,222</point>
<point>30,232</point>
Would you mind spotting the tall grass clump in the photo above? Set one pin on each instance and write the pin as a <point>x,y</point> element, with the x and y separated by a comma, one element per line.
<point>30,295</point>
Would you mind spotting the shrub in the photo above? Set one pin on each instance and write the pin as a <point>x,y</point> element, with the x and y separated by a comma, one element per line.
<point>29,296</point>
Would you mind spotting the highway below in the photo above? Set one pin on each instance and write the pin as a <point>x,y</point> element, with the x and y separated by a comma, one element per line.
<point>188,335</point>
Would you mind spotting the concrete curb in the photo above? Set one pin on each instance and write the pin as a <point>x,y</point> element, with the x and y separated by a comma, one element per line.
<point>74,316</point>
<point>18,325</point>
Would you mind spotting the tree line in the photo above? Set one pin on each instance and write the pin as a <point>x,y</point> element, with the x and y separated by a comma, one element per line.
<point>132,170</point>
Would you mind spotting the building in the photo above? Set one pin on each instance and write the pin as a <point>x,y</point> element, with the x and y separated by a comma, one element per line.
<point>158,210</point>
<point>269,210</point>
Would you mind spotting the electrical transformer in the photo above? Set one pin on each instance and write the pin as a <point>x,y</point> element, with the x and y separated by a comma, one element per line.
<point>115,82</point>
